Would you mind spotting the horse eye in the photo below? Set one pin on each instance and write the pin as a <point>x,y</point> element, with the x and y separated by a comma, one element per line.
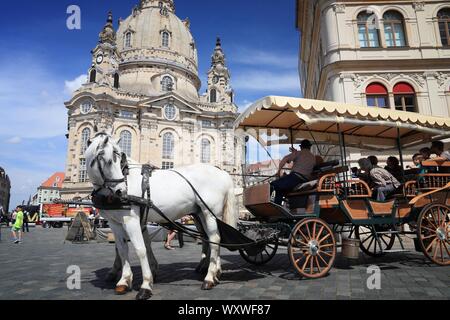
<point>89,142</point>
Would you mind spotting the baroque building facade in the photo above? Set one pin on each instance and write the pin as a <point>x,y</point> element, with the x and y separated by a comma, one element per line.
<point>389,54</point>
<point>144,83</point>
<point>386,54</point>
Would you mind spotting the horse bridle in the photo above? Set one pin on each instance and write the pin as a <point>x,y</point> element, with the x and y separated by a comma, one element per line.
<point>110,183</point>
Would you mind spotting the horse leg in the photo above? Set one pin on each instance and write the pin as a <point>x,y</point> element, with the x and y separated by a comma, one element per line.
<point>126,281</point>
<point>202,267</point>
<point>133,228</point>
<point>117,267</point>
<point>212,232</point>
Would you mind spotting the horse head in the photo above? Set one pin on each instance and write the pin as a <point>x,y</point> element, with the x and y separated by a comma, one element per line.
<point>105,164</point>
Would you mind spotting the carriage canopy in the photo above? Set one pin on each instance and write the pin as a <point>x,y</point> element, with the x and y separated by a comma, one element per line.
<point>323,121</point>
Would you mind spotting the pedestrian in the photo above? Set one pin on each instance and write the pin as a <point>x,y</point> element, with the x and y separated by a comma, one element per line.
<point>17,226</point>
<point>25,222</point>
<point>170,237</point>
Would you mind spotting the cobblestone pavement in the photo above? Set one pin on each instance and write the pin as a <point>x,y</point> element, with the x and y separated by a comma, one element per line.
<point>37,269</point>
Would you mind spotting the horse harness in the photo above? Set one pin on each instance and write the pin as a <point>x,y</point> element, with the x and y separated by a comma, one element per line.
<point>233,239</point>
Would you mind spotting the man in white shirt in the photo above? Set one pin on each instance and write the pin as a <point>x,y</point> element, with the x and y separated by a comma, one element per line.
<point>303,165</point>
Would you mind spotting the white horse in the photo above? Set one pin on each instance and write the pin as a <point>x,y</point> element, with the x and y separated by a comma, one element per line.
<point>171,194</point>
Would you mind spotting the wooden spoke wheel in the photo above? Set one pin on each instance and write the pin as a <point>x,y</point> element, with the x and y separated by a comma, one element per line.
<point>369,244</point>
<point>263,257</point>
<point>433,233</point>
<point>312,248</point>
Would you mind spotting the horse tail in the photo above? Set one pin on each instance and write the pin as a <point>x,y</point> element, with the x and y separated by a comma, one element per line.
<point>230,212</point>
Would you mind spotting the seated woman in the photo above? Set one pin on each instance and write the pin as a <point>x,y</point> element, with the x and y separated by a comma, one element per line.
<point>384,183</point>
<point>304,163</point>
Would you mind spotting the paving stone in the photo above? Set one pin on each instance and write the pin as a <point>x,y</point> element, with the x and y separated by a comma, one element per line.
<point>37,270</point>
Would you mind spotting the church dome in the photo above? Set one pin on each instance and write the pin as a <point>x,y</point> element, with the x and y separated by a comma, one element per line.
<point>153,37</point>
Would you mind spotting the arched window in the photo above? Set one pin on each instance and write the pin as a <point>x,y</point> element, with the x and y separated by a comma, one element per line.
<point>116,81</point>
<point>213,96</point>
<point>367,31</point>
<point>394,29</point>
<point>168,146</point>
<point>206,151</point>
<point>405,97</point>
<point>166,84</point>
<point>85,136</point>
<point>444,25</point>
<point>92,76</point>
<point>126,142</point>
<point>165,39</point>
<point>82,171</point>
<point>128,40</point>
<point>377,96</point>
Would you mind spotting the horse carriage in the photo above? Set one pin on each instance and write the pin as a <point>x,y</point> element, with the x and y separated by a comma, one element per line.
<point>316,213</point>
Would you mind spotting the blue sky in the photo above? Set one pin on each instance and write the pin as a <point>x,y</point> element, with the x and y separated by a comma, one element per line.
<point>41,62</point>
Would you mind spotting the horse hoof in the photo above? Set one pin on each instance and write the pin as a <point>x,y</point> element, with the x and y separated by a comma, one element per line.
<point>144,294</point>
<point>121,290</point>
<point>207,285</point>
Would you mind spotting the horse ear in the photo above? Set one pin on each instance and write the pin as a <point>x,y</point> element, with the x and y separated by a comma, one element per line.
<point>110,131</point>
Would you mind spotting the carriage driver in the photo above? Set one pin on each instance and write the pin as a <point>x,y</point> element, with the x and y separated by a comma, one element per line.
<point>304,162</point>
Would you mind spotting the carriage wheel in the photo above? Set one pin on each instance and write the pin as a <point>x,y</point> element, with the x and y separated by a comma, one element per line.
<point>434,233</point>
<point>263,257</point>
<point>312,248</point>
<point>369,244</point>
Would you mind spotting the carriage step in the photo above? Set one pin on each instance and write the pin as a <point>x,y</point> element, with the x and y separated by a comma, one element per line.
<point>395,251</point>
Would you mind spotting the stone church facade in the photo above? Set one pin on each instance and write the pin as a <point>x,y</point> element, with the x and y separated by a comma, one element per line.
<point>144,83</point>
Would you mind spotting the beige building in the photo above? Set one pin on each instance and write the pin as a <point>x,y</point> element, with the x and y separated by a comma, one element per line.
<point>144,82</point>
<point>5,191</point>
<point>387,54</point>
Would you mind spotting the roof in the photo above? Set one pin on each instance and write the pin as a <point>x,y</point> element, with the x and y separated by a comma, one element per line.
<point>363,127</point>
<point>55,181</point>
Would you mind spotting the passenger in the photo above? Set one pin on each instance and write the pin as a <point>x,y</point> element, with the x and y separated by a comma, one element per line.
<point>373,160</point>
<point>384,183</point>
<point>437,147</point>
<point>302,169</point>
<point>394,168</point>
<point>426,153</point>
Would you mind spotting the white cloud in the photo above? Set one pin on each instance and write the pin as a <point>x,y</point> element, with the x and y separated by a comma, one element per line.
<point>14,140</point>
<point>268,81</point>
<point>71,86</point>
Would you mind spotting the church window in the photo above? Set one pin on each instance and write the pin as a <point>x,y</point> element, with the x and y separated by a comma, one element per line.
<point>206,151</point>
<point>394,30</point>
<point>207,124</point>
<point>92,76</point>
<point>444,26</point>
<point>128,40</point>
<point>213,96</point>
<point>126,142</point>
<point>405,97</point>
<point>377,96</point>
<point>367,31</point>
<point>116,81</point>
<point>167,84</point>
<point>85,136</point>
<point>82,173</point>
<point>126,114</point>
<point>86,107</point>
<point>170,112</point>
<point>165,39</point>
<point>168,146</point>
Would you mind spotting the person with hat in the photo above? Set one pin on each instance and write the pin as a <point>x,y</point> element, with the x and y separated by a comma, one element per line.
<point>303,161</point>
